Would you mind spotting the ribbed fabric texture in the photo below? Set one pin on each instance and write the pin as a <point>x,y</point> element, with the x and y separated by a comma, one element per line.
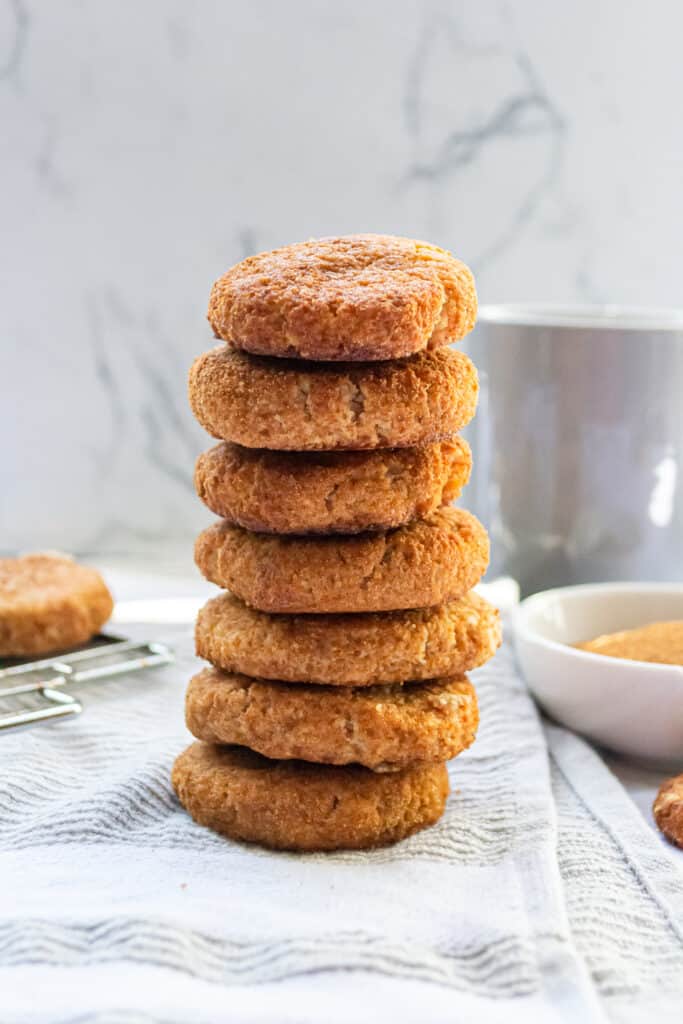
<point>540,896</point>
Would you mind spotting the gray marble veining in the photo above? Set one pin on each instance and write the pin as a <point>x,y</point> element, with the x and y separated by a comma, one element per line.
<point>145,149</point>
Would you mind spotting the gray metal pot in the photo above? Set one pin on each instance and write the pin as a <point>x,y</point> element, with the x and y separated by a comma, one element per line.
<point>578,443</point>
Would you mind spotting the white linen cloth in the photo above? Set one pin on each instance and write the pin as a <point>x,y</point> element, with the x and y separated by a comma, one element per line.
<point>540,896</point>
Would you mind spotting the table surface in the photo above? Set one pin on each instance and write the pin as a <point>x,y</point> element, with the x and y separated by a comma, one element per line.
<point>171,591</point>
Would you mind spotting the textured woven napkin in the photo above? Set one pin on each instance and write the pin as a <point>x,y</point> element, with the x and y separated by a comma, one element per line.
<point>540,896</point>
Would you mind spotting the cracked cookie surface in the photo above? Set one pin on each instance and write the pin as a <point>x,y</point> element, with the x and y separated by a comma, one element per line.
<point>292,405</point>
<point>296,805</point>
<point>430,561</point>
<point>381,727</point>
<point>356,297</point>
<point>49,603</point>
<point>348,650</point>
<point>330,492</point>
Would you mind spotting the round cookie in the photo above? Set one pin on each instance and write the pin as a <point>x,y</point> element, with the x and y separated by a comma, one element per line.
<point>381,727</point>
<point>49,603</point>
<point>330,492</point>
<point>668,809</point>
<point>288,405</point>
<point>358,297</point>
<point>349,650</point>
<point>295,805</point>
<point>425,563</point>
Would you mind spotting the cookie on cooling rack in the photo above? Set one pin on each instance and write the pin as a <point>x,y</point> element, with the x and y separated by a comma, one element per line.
<point>49,603</point>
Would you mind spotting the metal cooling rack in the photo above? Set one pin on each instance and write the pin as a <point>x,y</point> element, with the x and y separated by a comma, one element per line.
<point>32,692</point>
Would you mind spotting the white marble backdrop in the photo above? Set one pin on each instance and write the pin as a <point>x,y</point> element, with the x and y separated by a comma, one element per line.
<point>148,144</point>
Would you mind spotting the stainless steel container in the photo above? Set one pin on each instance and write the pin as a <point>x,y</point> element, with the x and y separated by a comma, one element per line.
<point>578,443</point>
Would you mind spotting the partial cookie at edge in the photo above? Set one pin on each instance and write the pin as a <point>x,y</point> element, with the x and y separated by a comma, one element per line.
<point>668,809</point>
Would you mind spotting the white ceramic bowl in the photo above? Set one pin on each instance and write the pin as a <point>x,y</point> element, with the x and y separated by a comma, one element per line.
<point>633,707</point>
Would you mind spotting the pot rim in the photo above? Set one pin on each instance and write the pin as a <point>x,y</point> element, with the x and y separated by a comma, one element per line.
<point>583,317</point>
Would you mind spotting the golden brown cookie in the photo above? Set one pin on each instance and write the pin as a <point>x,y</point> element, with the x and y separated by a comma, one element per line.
<point>330,492</point>
<point>425,563</point>
<point>295,805</point>
<point>297,406</point>
<point>381,727</point>
<point>349,650</point>
<point>49,603</point>
<point>359,297</point>
<point>668,809</point>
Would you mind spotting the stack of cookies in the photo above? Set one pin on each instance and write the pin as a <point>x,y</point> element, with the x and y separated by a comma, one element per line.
<point>339,647</point>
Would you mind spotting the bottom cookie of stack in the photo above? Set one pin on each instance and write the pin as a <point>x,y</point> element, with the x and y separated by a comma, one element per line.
<point>296,805</point>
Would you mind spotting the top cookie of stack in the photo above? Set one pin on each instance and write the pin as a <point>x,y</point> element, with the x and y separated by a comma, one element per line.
<point>349,626</point>
<point>358,298</point>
